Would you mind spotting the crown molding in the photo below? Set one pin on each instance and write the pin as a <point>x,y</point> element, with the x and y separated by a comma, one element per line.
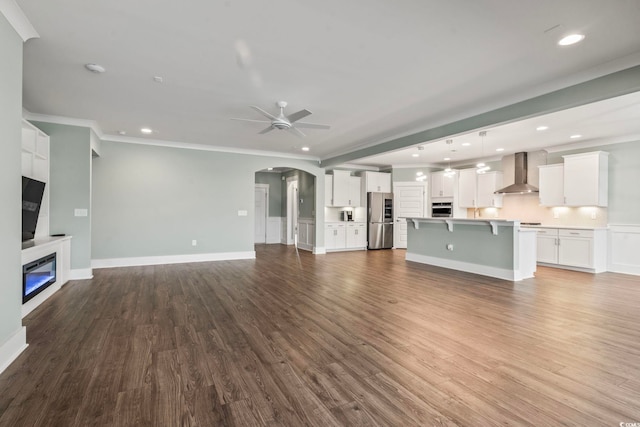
<point>93,125</point>
<point>18,20</point>
<point>415,165</point>
<point>592,143</point>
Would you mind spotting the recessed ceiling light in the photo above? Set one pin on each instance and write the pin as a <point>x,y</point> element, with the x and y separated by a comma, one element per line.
<point>269,169</point>
<point>571,39</point>
<point>146,130</point>
<point>419,173</point>
<point>499,149</point>
<point>122,132</point>
<point>305,148</point>
<point>158,79</point>
<point>576,136</point>
<point>466,144</point>
<point>447,158</point>
<point>95,68</point>
<point>540,128</point>
<point>415,155</point>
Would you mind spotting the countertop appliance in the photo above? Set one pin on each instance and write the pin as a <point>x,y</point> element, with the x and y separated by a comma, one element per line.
<point>380,220</point>
<point>346,215</point>
<point>441,209</point>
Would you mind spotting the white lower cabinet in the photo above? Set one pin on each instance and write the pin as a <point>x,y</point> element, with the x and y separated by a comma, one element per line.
<point>581,249</point>
<point>339,236</point>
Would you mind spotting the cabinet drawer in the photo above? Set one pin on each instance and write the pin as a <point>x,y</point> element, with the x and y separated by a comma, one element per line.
<point>547,231</point>
<point>575,233</point>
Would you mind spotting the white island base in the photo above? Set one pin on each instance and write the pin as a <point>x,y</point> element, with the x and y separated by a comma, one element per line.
<point>494,248</point>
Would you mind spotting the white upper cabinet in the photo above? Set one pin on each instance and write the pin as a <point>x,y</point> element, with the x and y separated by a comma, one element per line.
<point>442,185</point>
<point>586,179</point>
<point>551,185</point>
<point>488,183</point>
<point>476,190</point>
<point>345,189</point>
<point>467,188</point>
<point>376,182</point>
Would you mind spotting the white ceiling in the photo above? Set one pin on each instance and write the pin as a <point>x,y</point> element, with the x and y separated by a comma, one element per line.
<point>373,69</point>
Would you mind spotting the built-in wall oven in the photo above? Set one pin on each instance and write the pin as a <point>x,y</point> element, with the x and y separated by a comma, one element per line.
<point>441,209</point>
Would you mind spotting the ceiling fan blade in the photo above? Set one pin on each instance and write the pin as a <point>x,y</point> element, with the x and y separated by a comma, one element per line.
<point>269,129</point>
<point>296,132</point>
<point>264,113</point>
<point>250,120</point>
<point>312,125</point>
<point>298,115</point>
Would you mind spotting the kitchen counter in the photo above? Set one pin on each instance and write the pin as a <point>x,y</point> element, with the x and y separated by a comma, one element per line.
<point>490,247</point>
<point>568,227</point>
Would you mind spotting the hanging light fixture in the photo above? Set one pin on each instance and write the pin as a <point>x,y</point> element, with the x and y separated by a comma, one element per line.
<point>448,171</point>
<point>481,167</point>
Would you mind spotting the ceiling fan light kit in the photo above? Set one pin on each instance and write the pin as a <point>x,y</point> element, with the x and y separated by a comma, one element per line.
<point>289,123</point>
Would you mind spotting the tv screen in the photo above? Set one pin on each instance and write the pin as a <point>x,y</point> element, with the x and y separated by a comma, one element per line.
<point>32,192</point>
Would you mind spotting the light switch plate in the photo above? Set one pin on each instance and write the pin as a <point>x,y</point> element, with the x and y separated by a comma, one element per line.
<point>242,213</point>
<point>81,212</point>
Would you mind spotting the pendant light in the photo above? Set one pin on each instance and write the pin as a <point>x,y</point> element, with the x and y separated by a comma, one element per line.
<point>481,167</point>
<point>448,172</point>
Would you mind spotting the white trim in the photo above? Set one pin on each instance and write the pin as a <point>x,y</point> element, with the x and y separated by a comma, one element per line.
<point>353,167</point>
<point>623,242</point>
<point>499,273</point>
<point>593,143</point>
<point>62,120</point>
<point>170,259</point>
<point>264,187</point>
<point>11,349</point>
<point>81,274</point>
<point>319,250</point>
<point>305,246</point>
<point>18,20</point>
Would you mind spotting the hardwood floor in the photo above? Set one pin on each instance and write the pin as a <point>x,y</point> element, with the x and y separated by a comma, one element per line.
<point>354,338</point>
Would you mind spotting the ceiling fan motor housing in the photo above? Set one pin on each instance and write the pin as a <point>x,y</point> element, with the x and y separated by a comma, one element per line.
<point>280,124</point>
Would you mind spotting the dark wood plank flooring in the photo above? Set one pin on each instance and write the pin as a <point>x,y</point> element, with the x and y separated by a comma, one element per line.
<point>354,338</point>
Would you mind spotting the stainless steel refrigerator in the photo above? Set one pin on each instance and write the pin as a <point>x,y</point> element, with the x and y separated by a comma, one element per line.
<point>380,220</point>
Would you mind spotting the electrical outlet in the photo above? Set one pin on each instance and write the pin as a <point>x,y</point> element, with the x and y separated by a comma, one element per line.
<point>594,215</point>
<point>194,243</point>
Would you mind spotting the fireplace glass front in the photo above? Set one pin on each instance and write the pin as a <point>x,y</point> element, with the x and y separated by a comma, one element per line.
<point>37,276</point>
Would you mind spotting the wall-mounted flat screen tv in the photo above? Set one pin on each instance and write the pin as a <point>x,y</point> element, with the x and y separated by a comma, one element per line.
<point>32,191</point>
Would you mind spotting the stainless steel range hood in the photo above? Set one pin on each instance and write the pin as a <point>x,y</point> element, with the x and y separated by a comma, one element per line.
<point>520,185</point>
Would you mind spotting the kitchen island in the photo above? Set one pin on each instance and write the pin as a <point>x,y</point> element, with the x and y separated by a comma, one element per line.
<point>495,248</point>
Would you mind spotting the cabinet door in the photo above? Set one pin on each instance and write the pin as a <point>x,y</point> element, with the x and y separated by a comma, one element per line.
<point>384,182</point>
<point>488,183</point>
<point>341,188</point>
<point>448,185</point>
<point>329,236</point>
<point>328,190</point>
<point>436,184</point>
<point>341,236</point>
<point>585,179</point>
<point>351,236</point>
<point>467,188</point>
<point>551,185</point>
<point>547,246</point>
<point>354,191</point>
<point>576,248</point>
<point>361,235</point>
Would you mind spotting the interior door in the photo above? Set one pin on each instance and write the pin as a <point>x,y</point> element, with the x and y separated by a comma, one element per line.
<point>409,201</point>
<point>260,228</point>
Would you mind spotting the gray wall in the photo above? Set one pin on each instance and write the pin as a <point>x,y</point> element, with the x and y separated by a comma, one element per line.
<point>70,178</point>
<point>274,180</point>
<point>409,174</point>
<point>10,187</point>
<point>624,179</point>
<point>306,193</point>
<point>151,201</point>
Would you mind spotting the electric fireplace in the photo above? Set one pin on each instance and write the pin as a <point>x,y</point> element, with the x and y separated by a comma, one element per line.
<point>37,276</point>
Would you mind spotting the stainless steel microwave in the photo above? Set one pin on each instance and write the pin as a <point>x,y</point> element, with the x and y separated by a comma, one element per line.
<point>441,210</point>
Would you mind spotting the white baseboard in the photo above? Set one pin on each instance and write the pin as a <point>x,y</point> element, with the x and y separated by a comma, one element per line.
<point>483,270</point>
<point>170,259</point>
<point>623,255</point>
<point>319,250</point>
<point>11,349</point>
<point>305,246</point>
<point>81,274</point>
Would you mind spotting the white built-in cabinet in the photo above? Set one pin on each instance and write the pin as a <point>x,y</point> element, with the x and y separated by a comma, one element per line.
<point>582,180</point>
<point>345,236</point>
<point>35,164</point>
<point>582,249</point>
<point>443,185</point>
<point>551,185</point>
<point>586,179</point>
<point>477,190</point>
<point>342,189</point>
<point>376,182</point>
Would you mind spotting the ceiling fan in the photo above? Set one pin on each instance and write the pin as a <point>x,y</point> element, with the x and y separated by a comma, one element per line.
<point>289,123</point>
